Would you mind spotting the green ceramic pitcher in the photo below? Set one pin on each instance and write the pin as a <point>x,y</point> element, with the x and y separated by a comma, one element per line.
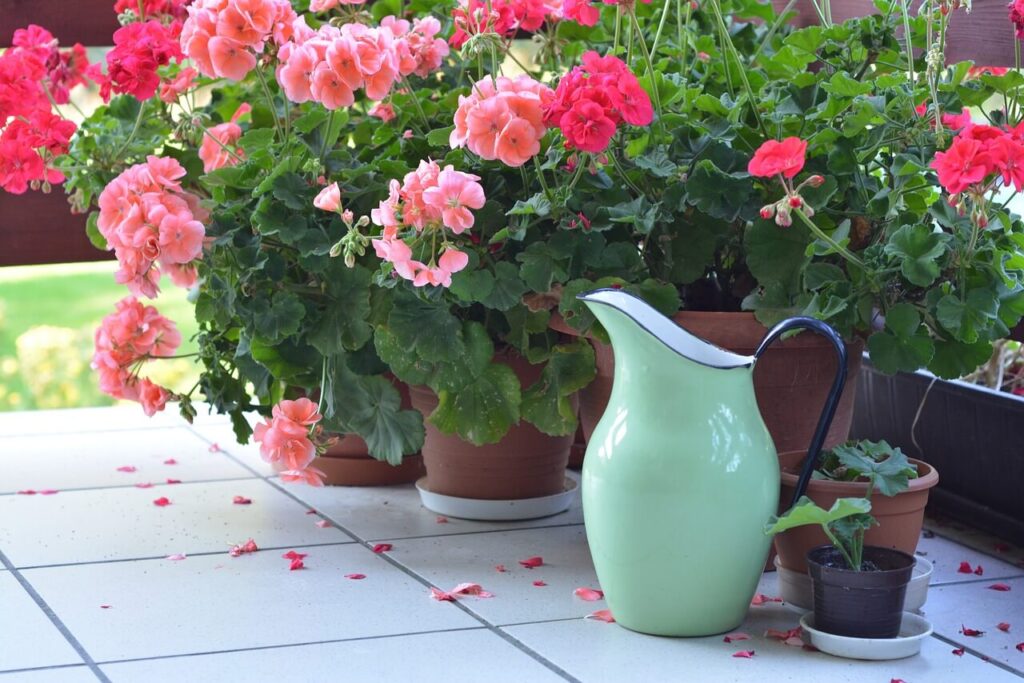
<point>681,474</point>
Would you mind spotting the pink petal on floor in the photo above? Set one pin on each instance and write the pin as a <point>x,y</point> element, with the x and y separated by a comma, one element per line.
<point>48,492</point>
<point>539,584</point>
<point>978,570</point>
<point>1020,647</point>
<point>471,589</point>
<point>296,564</point>
<point>105,606</point>
<point>791,637</point>
<point>441,519</point>
<point>440,595</point>
<point>959,652</point>
<point>744,654</point>
<point>604,615</point>
<point>761,599</point>
<point>127,468</point>
<point>965,568</point>
<point>243,548</point>
<point>292,555</point>
<point>310,511</point>
<point>500,568</point>
<point>382,548</point>
<point>174,481</point>
<point>733,637</point>
<point>897,680</point>
<point>170,461</point>
<point>1003,626</point>
<point>532,562</point>
<point>323,523</point>
<point>144,485</point>
<point>176,557</point>
<point>1002,587</point>
<point>241,500</point>
<point>26,492</point>
<point>588,594</point>
<point>355,577</point>
<point>970,631</point>
<point>162,501</point>
<point>214,448</point>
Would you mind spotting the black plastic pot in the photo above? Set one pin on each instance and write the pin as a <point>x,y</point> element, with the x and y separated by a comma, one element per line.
<point>859,604</point>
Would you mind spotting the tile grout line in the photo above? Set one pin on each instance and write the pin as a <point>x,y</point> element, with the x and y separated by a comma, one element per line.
<point>118,487</point>
<point>120,430</point>
<point>980,655</point>
<point>968,582</point>
<point>54,619</point>
<point>511,640</point>
<point>992,554</point>
<point>32,669</point>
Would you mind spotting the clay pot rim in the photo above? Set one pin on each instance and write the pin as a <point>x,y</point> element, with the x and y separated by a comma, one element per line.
<point>844,489</point>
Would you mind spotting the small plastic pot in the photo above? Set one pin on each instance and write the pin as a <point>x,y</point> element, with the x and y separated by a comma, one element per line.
<point>859,604</point>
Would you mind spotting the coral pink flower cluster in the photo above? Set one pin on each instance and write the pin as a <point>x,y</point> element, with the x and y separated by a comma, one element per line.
<point>502,119</point>
<point>593,99</point>
<point>979,156</point>
<point>504,17</point>
<point>161,9</point>
<point>31,135</point>
<point>218,140</point>
<point>585,13</point>
<point>125,339</point>
<point>1017,17</point>
<point>429,198</point>
<point>417,47</point>
<point>285,441</point>
<point>148,219</point>
<point>139,50</point>
<point>325,5</point>
<point>224,37</point>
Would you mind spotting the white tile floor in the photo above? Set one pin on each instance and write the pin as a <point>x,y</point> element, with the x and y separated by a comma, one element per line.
<point>87,591</point>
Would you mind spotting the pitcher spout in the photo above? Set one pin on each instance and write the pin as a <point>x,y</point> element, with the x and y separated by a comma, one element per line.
<point>634,311</point>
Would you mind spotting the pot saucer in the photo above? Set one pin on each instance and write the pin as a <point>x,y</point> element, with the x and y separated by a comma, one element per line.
<point>913,632</point>
<point>498,510</point>
<point>795,588</point>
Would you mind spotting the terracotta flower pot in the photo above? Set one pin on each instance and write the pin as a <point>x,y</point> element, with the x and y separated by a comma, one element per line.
<point>526,463</point>
<point>899,517</point>
<point>349,463</point>
<point>791,380</point>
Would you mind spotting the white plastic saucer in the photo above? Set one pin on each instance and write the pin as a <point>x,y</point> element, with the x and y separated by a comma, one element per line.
<point>497,510</point>
<point>913,631</point>
<point>796,591</point>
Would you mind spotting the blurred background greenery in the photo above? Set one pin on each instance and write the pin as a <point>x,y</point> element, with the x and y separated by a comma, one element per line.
<point>47,318</point>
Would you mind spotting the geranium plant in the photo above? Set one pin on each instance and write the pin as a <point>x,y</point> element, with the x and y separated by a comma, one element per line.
<point>363,192</point>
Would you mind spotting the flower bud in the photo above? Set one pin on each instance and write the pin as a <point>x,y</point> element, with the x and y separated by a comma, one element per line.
<point>348,216</point>
<point>336,250</point>
<point>796,201</point>
<point>783,217</point>
<point>816,180</point>
<point>767,211</point>
<point>350,260</point>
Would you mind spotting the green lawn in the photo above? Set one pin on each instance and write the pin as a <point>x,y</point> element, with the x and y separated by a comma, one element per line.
<point>53,371</point>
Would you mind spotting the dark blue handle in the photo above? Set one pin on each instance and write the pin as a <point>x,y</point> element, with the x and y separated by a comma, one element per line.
<point>825,330</point>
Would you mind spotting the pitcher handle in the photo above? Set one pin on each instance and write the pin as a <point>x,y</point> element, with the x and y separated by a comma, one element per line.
<point>825,330</point>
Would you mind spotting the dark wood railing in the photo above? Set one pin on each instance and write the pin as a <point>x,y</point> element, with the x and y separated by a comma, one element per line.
<point>37,228</point>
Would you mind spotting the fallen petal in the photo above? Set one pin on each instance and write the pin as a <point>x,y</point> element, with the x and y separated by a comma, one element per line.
<point>105,606</point>
<point>500,568</point>
<point>176,557</point>
<point>532,562</point>
<point>162,501</point>
<point>539,584</point>
<point>1002,587</point>
<point>601,615</point>
<point>441,519</point>
<point>355,577</point>
<point>170,461</point>
<point>965,568</point>
<point>733,637</point>
<point>970,631</point>
<point>323,523</point>
<point>127,468</point>
<point>471,589</point>
<point>26,492</point>
<point>959,652</point>
<point>241,500</point>
<point>145,485</point>
<point>174,481</point>
<point>296,564</point>
<point>744,654</point>
<point>310,511</point>
<point>588,594</point>
<point>1003,626</point>
<point>897,680</point>
<point>48,492</point>
<point>241,549</point>
<point>978,570</point>
<point>292,555</point>
<point>1020,647</point>
<point>382,547</point>
<point>761,599</point>
<point>440,595</point>
<point>214,448</point>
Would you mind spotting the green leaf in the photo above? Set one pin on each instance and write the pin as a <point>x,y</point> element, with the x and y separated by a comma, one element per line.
<point>919,249</point>
<point>966,319</point>
<point>343,323</point>
<point>903,319</point>
<point>548,402</point>
<point>293,191</point>
<point>439,136</point>
<point>477,398</point>
<point>807,512</point>
<point>377,416</point>
<point>777,255</point>
<point>716,192</point>
<point>657,163</point>
<point>404,365</point>
<point>843,86</point>
<point>92,231</point>
<point>537,205</point>
<point>539,267</point>
<point>640,213</point>
<point>472,285</point>
<point>955,359</point>
<point>425,328</point>
<point>273,319</point>
<point>310,120</point>
<point>892,354</point>
<point>887,468</point>
<point>508,287</point>
<point>256,139</point>
<point>817,275</point>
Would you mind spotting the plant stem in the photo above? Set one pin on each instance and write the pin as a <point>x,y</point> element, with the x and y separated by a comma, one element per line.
<point>543,181</point>
<point>684,44</point>
<point>270,102</point>
<point>131,135</point>
<point>840,547</point>
<point>661,26</point>
<point>327,131</point>
<point>730,48</point>
<point>618,29</point>
<point>416,101</point>
<point>649,64</point>
<point>622,172</point>
<point>817,232</point>
<point>908,43</point>
<point>773,30</point>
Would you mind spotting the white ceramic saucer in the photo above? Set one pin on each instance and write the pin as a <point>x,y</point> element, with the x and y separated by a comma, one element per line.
<point>497,510</point>
<point>913,631</point>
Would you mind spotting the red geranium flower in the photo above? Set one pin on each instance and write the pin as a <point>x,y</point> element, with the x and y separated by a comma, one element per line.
<point>775,157</point>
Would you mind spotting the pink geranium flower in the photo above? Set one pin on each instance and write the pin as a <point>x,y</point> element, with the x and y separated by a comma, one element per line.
<point>775,157</point>
<point>285,440</point>
<point>454,195</point>
<point>329,198</point>
<point>221,138</point>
